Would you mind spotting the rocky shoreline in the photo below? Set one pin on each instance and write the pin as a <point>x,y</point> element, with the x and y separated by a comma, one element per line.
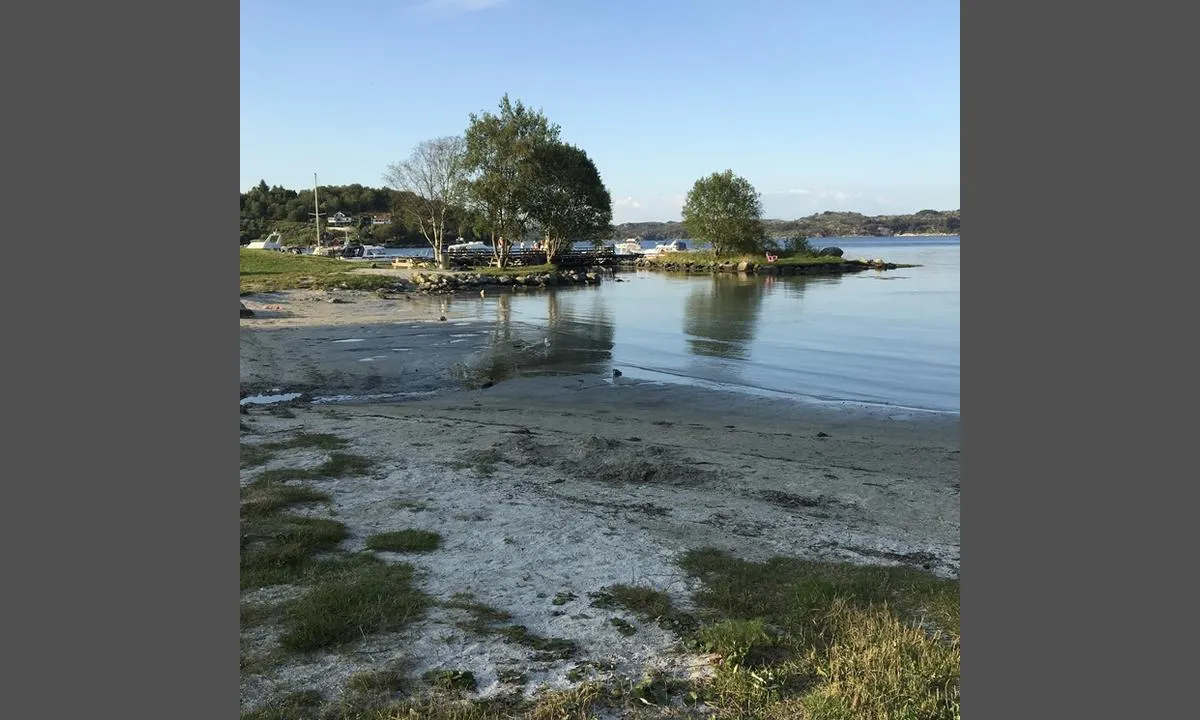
<point>457,282</point>
<point>429,281</point>
<point>753,268</point>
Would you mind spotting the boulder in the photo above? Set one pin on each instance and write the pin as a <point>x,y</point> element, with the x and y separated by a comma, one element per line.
<point>246,312</point>
<point>831,250</point>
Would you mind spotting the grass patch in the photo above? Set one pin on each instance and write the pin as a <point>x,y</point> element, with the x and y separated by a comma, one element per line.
<point>278,549</point>
<point>300,705</point>
<point>343,464</point>
<point>481,461</point>
<point>577,704</point>
<point>362,597</point>
<point>269,271</point>
<point>708,257</point>
<point>338,465</point>
<point>827,641</point>
<point>647,604</point>
<point>264,497</point>
<point>383,681</point>
<point>317,441</point>
<point>451,679</point>
<point>258,613</point>
<point>517,270</point>
<point>788,592</point>
<point>405,541</point>
<point>253,454</point>
<point>487,620</point>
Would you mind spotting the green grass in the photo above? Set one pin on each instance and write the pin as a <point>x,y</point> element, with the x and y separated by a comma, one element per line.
<point>647,604</point>
<point>382,681</point>
<point>827,641</point>
<point>405,541</point>
<point>708,257</point>
<point>338,465</point>
<point>517,269</point>
<point>260,453</point>
<point>487,620</point>
<point>266,498</point>
<point>295,706</point>
<point>279,549</point>
<point>361,597</point>
<point>270,271</point>
<point>450,679</point>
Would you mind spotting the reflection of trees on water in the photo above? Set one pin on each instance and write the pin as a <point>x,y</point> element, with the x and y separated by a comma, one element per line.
<point>571,342</point>
<point>720,319</point>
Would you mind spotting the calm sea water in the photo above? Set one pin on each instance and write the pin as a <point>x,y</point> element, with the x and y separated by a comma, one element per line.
<point>888,338</point>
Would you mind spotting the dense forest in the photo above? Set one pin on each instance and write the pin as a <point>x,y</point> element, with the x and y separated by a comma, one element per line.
<point>264,209</point>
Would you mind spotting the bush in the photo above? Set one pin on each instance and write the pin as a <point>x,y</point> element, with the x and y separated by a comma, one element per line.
<point>799,245</point>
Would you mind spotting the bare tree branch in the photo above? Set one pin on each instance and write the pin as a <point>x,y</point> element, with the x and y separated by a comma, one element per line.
<point>436,174</point>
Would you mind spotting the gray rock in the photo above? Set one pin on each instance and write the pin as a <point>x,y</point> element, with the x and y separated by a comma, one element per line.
<point>246,312</point>
<point>831,250</point>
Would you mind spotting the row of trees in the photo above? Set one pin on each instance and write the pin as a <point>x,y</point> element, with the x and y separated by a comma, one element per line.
<point>508,175</point>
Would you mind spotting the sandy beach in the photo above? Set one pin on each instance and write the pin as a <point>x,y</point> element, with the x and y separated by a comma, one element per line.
<point>547,489</point>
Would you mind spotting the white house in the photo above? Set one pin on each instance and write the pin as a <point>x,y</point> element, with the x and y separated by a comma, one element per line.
<point>340,218</point>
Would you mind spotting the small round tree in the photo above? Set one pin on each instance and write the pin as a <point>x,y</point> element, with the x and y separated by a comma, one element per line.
<point>723,210</point>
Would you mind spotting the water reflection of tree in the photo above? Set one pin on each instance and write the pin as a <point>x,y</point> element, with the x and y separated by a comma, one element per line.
<point>574,340</point>
<point>720,319</point>
<point>580,340</point>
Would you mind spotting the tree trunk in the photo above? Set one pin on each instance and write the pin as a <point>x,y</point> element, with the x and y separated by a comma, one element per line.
<point>501,250</point>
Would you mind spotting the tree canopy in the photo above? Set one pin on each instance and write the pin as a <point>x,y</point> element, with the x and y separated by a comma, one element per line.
<point>567,199</point>
<point>500,151</point>
<point>435,175</point>
<point>724,210</point>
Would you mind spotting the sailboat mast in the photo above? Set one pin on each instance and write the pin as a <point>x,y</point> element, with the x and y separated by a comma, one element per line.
<point>316,210</point>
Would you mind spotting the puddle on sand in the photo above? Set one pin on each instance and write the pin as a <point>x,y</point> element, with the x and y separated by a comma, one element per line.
<point>381,396</point>
<point>268,399</point>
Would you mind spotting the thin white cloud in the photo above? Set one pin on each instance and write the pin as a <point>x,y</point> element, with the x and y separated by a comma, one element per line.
<point>463,6</point>
<point>627,202</point>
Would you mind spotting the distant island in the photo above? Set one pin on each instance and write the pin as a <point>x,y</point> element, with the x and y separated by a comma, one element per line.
<point>825,224</point>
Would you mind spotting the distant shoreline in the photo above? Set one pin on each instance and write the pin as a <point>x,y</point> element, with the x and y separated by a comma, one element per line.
<point>926,235</point>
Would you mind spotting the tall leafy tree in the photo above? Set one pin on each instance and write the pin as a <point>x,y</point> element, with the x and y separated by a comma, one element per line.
<point>567,198</point>
<point>500,151</point>
<point>436,174</point>
<point>724,210</point>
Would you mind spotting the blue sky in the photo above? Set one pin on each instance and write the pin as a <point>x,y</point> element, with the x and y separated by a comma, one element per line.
<point>850,105</point>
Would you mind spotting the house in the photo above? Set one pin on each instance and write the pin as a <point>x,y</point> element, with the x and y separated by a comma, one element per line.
<point>340,218</point>
<point>382,219</point>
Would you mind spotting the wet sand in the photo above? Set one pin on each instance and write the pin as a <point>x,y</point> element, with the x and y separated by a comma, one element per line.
<point>562,485</point>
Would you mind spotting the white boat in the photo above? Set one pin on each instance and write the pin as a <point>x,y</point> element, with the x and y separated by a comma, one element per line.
<point>270,243</point>
<point>374,252</point>
<point>474,247</point>
<point>667,247</point>
<point>629,246</point>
